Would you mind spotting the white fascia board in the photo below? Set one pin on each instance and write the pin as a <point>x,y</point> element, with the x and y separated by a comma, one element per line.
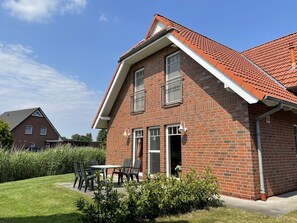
<point>108,95</point>
<point>218,74</point>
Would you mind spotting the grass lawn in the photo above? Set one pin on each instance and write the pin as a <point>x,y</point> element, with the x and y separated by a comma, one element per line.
<point>38,200</point>
<point>228,215</point>
<point>43,200</point>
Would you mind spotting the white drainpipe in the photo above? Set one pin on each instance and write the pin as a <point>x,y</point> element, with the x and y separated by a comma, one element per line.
<point>262,183</point>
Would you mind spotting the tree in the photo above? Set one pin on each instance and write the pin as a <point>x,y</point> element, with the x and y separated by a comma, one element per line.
<point>5,136</point>
<point>101,137</point>
<point>82,138</point>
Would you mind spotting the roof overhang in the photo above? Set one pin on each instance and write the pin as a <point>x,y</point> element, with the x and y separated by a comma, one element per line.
<point>150,47</point>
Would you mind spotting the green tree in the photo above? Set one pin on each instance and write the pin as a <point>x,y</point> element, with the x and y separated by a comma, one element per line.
<point>83,138</point>
<point>5,136</point>
<point>101,137</point>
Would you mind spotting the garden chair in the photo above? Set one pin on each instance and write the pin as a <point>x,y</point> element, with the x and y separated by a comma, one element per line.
<point>122,170</point>
<point>88,179</point>
<point>135,170</point>
<point>77,174</point>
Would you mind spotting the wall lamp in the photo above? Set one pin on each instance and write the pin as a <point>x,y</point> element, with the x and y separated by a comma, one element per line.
<point>126,133</point>
<point>182,127</point>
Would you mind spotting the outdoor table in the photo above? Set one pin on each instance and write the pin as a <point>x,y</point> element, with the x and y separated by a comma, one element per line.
<point>105,168</point>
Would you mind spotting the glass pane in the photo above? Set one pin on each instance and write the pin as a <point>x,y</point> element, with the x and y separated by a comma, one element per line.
<point>155,143</point>
<point>154,163</point>
<point>139,80</point>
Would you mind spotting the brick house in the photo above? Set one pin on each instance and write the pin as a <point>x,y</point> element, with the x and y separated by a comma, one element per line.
<point>178,97</point>
<point>30,128</point>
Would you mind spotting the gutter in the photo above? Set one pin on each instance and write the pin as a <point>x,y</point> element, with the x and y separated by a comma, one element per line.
<point>263,194</point>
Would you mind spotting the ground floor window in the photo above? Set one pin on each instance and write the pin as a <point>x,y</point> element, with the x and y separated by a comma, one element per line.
<point>153,150</point>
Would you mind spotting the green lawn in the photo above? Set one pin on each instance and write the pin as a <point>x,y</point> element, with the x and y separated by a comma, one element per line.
<point>43,200</point>
<point>38,200</point>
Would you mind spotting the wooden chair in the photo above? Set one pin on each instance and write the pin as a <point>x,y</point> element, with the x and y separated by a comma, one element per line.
<point>135,170</point>
<point>88,179</point>
<point>122,170</point>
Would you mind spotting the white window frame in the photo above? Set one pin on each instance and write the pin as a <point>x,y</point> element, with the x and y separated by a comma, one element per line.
<point>37,114</point>
<point>31,144</point>
<point>149,146</point>
<point>135,137</point>
<point>137,106</point>
<point>43,133</point>
<point>168,80</point>
<point>27,130</point>
<point>168,152</point>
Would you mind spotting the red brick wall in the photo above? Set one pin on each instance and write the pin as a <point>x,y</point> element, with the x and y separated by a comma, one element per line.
<point>217,120</point>
<point>22,140</point>
<point>278,149</point>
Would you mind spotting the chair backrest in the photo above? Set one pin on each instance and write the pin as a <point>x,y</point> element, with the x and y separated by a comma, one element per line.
<point>76,169</point>
<point>126,166</point>
<point>83,171</point>
<point>92,162</point>
<point>136,167</point>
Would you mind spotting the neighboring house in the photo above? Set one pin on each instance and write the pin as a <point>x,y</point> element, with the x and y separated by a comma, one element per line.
<point>30,128</point>
<point>182,98</point>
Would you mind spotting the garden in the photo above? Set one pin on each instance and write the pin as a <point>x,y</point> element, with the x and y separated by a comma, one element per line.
<point>32,191</point>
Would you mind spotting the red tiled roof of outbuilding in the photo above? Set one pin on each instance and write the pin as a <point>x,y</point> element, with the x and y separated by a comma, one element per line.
<point>274,58</point>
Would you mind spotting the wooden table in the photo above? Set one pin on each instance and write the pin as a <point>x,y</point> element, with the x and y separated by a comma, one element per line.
<point>105,169</point>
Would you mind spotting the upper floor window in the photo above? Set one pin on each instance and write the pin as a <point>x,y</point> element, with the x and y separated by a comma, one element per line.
<point>37,114</point>
<point>43,131</point>
<point>28,129</point>
<point>173,86</point>
<point>138,98</point>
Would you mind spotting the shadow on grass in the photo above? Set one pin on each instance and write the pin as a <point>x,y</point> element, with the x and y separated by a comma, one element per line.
<point>58,218</point>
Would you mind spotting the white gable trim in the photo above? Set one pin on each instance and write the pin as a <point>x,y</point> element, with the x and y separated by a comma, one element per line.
<point>157,27</point>
<point>218,74</point>
<point>148,50</point>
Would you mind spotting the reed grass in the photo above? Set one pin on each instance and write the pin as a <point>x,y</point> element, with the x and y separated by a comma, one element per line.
<point>21,165</point>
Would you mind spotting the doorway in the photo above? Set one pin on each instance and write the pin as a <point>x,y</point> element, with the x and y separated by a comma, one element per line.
<point>173,149</point>
<point>138,146</point>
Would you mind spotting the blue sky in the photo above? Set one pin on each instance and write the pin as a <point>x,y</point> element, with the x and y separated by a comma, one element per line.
<point>61,54</point>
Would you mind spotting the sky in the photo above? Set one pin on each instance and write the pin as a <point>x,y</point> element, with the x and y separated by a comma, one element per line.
<point>60,55</point>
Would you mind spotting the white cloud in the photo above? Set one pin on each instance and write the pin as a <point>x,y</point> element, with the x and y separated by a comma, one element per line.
<point>103,18</point>
<point>25,83</point>
<point>42,10</point>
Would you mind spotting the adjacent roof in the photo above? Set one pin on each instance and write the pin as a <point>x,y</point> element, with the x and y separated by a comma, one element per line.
<point>274,58</point>
<point>15,118</point>
<point>238,71</point>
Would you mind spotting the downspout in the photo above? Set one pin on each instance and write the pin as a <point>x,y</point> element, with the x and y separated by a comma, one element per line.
<point>263,194</point>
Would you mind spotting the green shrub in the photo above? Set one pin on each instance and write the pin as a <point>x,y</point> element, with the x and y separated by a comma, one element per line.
<point>23,165</point>
<point>154,197</point>
<point>106,207</point>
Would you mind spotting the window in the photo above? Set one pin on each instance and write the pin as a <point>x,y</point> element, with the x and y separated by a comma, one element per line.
<point>37,114</point>
<point>154,150</point>
<point>43,131</point>
<point>139,94</point>
<point>295,131</point>
<point>28,129</point>
<point>31,144</point>
<point>173,88</point>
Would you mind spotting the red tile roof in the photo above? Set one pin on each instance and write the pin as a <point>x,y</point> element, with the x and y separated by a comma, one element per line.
<point>274,58</point>
<point>231,63</point>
